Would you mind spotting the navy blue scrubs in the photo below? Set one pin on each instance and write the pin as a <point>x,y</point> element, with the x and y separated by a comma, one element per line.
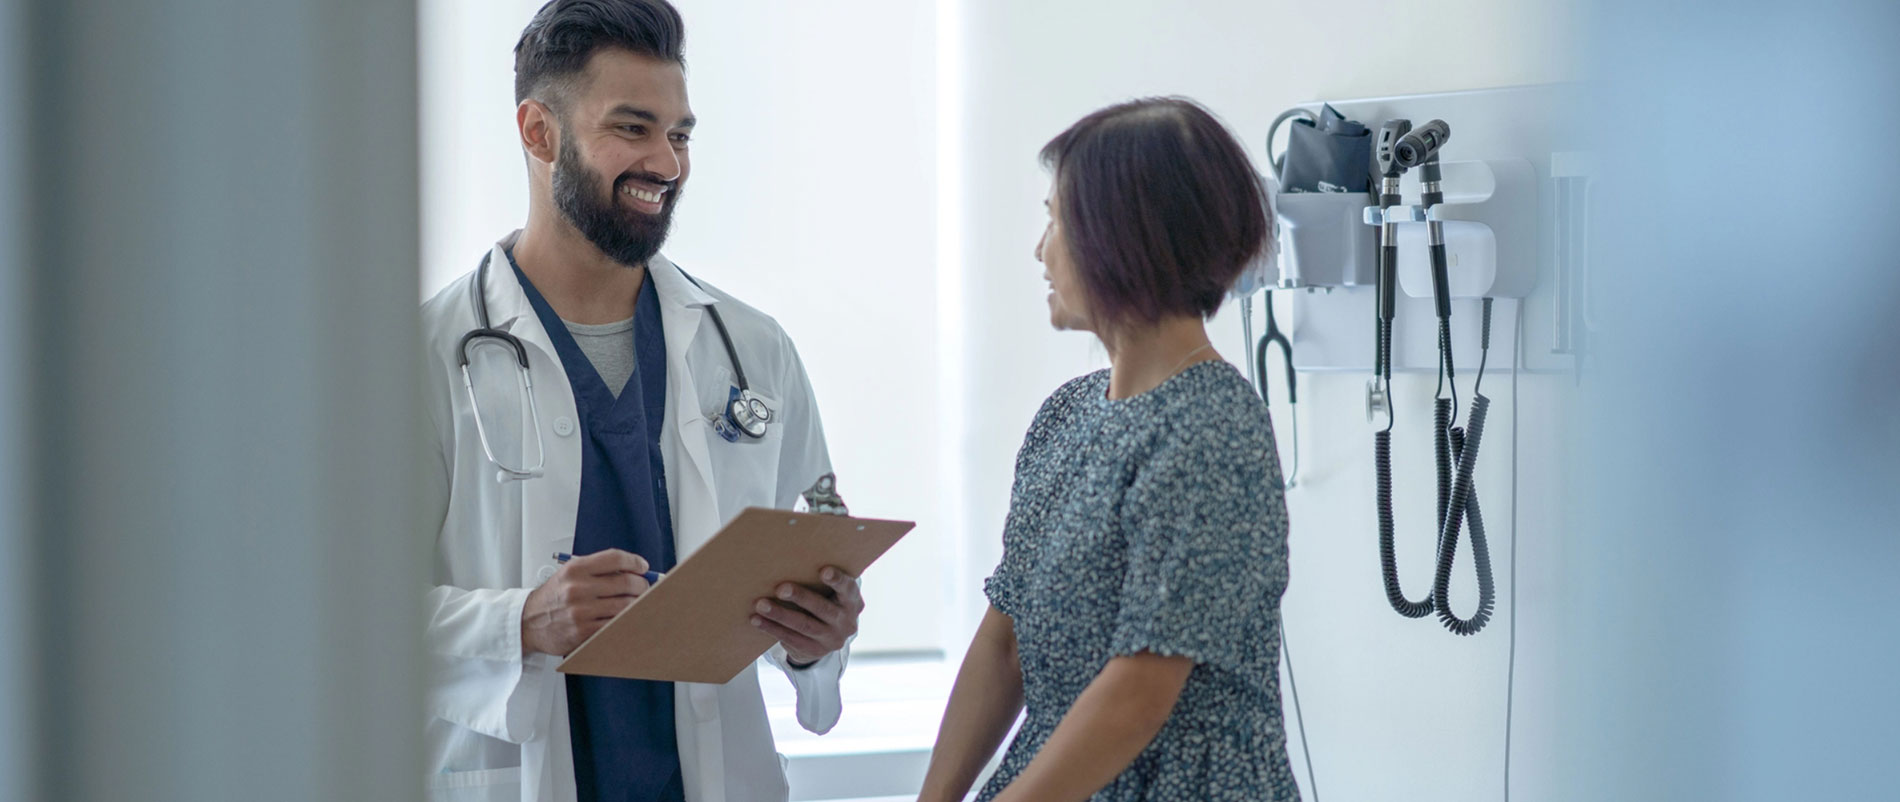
<point>624,743</point>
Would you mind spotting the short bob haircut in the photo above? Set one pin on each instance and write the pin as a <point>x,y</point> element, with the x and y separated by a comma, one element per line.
<point>1160,207</point>
<point>564,34</point>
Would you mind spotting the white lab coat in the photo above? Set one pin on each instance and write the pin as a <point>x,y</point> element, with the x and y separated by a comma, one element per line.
<point>498,724</point>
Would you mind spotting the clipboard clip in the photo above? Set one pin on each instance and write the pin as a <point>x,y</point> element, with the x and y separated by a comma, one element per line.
<point>823,497</point>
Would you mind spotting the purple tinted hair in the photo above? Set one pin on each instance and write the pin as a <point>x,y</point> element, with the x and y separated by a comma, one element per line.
<point>1160,207</point>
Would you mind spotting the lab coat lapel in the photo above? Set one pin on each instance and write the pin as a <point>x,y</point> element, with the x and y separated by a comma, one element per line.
<point>690,477</point>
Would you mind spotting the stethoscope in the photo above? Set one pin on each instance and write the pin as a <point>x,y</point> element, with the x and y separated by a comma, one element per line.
<point>745,413</point>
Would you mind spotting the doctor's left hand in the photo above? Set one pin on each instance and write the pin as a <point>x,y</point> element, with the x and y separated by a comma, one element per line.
<point>812,624</point>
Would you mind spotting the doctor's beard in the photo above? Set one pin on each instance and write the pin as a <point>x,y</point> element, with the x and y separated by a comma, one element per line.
<point>624,235</point>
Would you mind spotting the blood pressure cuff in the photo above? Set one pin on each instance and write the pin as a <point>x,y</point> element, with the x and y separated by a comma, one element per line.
<point>1333,154</point>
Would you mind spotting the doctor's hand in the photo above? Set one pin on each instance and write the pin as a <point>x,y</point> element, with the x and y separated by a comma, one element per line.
<point>581,597</point>
<point>809,623</point>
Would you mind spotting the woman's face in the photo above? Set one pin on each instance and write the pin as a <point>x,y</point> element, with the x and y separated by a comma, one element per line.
<point>1068,308</point>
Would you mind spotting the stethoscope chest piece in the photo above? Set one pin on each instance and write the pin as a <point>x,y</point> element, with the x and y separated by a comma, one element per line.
<point>745,414</point>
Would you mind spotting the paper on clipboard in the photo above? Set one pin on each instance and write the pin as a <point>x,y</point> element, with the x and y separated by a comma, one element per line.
<point>694,625</point>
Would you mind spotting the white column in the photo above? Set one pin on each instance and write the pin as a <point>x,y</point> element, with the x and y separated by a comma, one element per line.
<point>17,715</point>
<point>216,268</point>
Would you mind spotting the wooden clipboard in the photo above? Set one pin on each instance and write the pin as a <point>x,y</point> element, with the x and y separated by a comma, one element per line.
<point>694,625</point>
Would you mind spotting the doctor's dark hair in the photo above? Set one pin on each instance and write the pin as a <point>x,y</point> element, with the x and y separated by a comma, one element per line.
<point>564,34</point>
<point>1160,207</point>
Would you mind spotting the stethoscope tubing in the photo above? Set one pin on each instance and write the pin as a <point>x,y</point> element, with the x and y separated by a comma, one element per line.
<point>487,331</point>
<point>752,423</point>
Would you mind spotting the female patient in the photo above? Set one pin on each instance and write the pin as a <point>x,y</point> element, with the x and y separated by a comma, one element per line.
<point>1136,609</point>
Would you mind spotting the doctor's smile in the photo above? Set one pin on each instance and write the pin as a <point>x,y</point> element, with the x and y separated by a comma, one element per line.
<point>645,199</point>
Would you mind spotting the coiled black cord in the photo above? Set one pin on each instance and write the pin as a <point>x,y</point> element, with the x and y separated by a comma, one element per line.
<point>1382,471</point>
<point>1455,458</point>
<point>1388,558</point>
<point>1464,505</point>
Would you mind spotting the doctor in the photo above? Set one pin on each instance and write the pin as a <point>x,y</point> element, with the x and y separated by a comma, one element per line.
<point>627,456</point>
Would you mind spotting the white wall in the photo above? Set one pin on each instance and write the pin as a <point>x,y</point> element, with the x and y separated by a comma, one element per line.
<point>1396,708</point>
<point>474,179</point>
<point>811,197</point>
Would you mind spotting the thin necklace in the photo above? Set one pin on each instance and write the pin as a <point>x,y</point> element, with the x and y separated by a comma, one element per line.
<point>1184,360</point>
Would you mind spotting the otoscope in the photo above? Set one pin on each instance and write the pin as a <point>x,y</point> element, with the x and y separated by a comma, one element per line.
<point>1419,148</point>
<point>1385,163</point>
<point>1402,147</point>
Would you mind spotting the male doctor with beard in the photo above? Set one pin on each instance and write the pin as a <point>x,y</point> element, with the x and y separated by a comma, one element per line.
<point>626,458</point>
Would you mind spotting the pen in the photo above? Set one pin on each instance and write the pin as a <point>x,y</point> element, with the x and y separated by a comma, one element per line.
<point>651,576</point>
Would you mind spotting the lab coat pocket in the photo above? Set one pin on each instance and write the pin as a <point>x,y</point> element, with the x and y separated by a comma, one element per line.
<point>746,468</point>
<point>482,785</point>
<point>715,390</point>
<point>774,431</point>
